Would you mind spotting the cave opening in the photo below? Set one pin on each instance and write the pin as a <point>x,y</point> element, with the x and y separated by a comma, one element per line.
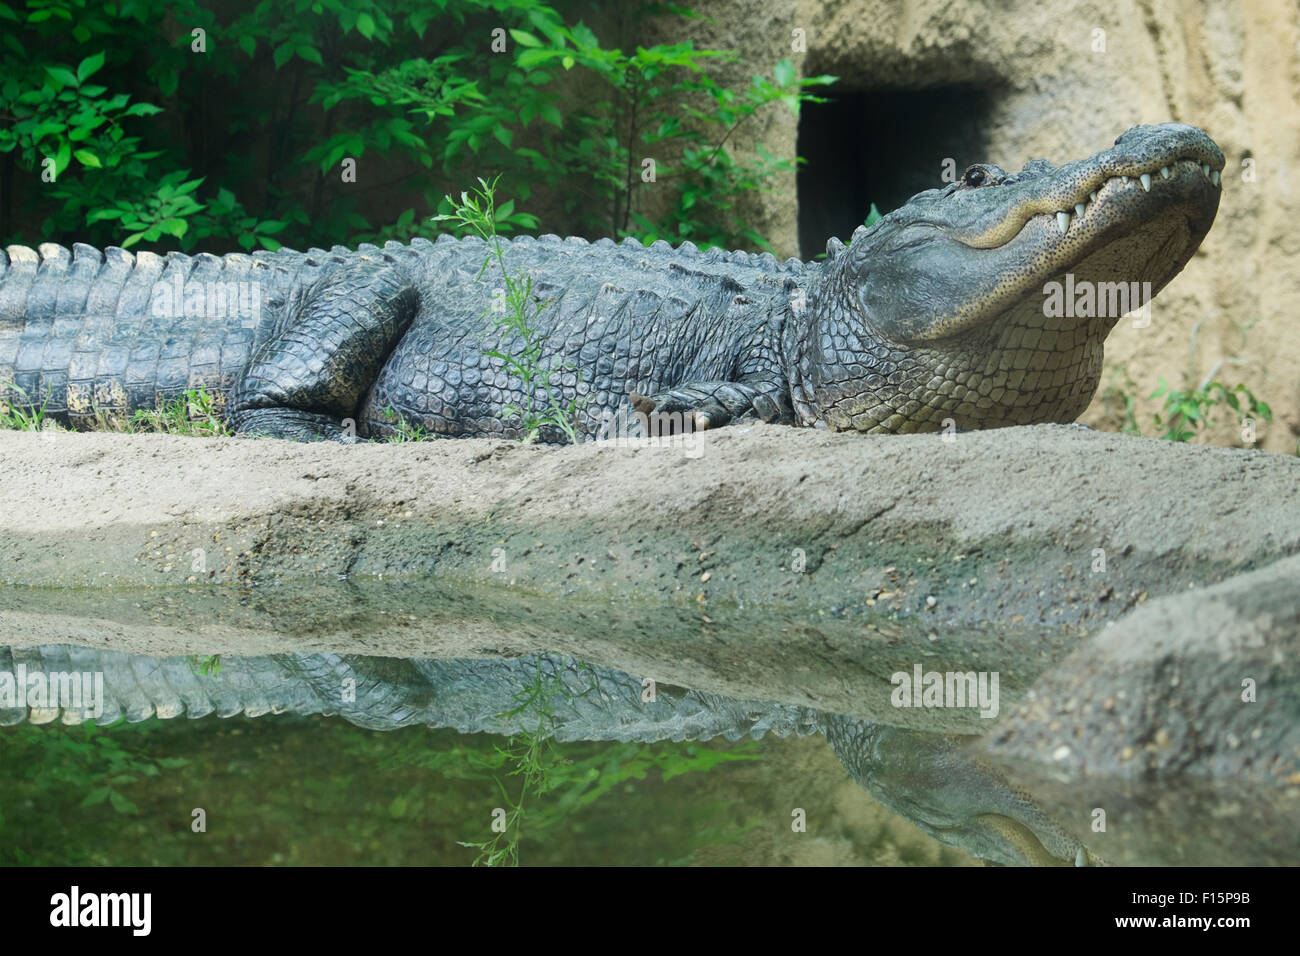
<point>881,147</point>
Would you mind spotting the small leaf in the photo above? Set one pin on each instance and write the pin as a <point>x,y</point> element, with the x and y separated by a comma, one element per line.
<point>62,75</point>
<point>87,158</point>
<point>121,804</point>
<point>96,796</point>
<point>89,66</point>
<point>525,39</point>
<point>366,25</point>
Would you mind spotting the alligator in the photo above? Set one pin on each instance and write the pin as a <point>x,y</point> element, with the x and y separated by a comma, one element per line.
<point>932,318</point>
<point>929,779</point>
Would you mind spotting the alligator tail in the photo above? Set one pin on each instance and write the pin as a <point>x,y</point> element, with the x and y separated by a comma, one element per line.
<point>88,333</point>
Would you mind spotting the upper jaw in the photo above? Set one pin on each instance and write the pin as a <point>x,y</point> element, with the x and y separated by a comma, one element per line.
<point>1141,157</point>
<point>932,268</point>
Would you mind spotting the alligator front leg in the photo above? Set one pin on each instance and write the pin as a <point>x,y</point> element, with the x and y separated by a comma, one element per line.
<point>714,404</point>
<point>313,373</point>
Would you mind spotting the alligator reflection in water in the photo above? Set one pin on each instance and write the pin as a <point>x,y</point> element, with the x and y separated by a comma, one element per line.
<point>926,778</point>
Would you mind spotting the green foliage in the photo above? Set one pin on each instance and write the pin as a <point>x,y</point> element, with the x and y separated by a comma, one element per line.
<point>208,666</point>
<point>1189,411</point>
<point>513,313</point>
<point>193,413</point>
<point>1186,413</point>
<point>575,782</point>
<point>236,137</point>
<point>92,764</point>
<point>320,791</point>
<point>404,431</point>
<point>26,417</point>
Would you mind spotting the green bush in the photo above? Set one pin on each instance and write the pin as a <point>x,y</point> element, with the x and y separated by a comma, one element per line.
<point>169,125</point>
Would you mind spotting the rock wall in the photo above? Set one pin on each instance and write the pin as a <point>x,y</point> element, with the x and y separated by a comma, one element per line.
<point>1063,81</point>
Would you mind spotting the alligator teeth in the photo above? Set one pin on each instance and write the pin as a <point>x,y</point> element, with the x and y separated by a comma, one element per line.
<point>1079,208</point>
<point>1125,179</point>
<point>1214,177</point>
<point>1146,181</point>
<point>1205,168</point>
<point>1164,172</point>
<point>1063,222</point>
<point>1093,195</point>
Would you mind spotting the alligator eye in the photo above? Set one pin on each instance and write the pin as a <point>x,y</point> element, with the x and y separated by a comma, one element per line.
<point>983,174</point>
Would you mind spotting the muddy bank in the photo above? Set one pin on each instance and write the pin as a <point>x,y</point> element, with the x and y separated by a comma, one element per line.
<point>854,556</point>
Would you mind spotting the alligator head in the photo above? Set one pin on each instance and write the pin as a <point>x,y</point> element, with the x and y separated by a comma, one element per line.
<point>931,780</point>
<point>986,303</point>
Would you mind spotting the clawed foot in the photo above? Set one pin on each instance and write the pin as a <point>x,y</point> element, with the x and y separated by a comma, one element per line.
<point>675,413</point>
<point>705,406</point>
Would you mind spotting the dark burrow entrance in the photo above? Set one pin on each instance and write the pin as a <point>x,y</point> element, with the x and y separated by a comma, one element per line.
<point>881,147</point>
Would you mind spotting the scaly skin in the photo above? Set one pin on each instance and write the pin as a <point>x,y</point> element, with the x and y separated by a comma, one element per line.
<point>932,318</point>
<point>926,778</point>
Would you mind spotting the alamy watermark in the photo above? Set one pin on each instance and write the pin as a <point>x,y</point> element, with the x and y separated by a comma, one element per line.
<point>207,299</point>
<point>1082,299</point>
<point>76,691</point>
<point>923,688</point>
<point>75,908</point>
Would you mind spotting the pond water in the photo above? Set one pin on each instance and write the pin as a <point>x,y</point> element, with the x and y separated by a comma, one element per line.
<point>325,759</point>
<point>284,790</point>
